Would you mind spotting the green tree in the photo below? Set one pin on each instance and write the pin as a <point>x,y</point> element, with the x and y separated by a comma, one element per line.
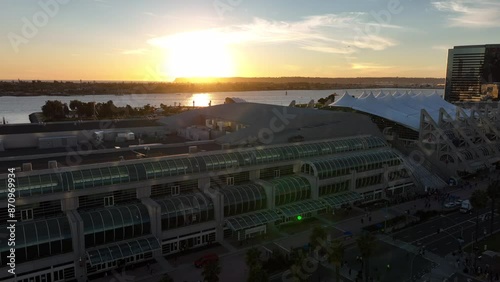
<point>166,278</point>
<point>211,271</point>
<point>297,271</point>
<point>336,256</point>
<point>55,109</point>
<point>257,274</point>
<point>493,192</point>
<point>478,200</point>
<point>318,235</point>
<point>252,257</point>
<point>366,244</point>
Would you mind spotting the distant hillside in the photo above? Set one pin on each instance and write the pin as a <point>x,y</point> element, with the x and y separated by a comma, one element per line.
<point>184,85</point>
<point>328,80</point>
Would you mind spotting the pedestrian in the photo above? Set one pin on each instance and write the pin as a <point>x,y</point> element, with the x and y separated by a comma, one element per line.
<point>350,272</point>
<point>370,219</point>
<point>388,267</point>
<point>362,221</point>
<point>151,271</point>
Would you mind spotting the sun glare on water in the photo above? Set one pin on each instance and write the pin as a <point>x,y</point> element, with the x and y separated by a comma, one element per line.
<point>198,55</point>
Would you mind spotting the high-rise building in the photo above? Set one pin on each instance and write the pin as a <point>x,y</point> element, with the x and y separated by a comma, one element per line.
<point>473,73</point>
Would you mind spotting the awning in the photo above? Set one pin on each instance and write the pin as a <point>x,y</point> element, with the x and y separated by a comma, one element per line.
<point>245,221</point>
<point>122,250</point>
<point>302,207</point>
<point>337,200</point>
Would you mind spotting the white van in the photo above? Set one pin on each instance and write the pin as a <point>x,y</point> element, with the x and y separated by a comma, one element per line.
<point>466,207</point>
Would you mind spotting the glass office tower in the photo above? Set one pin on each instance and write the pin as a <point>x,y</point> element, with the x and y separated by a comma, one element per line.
<point>473,73</point>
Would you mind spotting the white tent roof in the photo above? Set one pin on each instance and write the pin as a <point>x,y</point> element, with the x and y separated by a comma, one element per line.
<point>401,108</point>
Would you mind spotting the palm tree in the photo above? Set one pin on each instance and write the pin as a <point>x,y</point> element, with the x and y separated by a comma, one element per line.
<point>493,192</point>
<point>336,256</point>
<point>478,200</point>
<point>252,257</point>
<point>211,271</point>
<point>318,236</point>
<point>297,271</point>
<point>366,244</point>
<point>257,274</point>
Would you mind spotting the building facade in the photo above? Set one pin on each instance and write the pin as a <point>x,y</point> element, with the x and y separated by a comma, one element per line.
<point>77,222</point>
<point>473,73</point>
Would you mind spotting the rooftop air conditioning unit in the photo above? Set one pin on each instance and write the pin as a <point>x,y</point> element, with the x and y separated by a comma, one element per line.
<point>52,164</point>
<point>27,167</point>
<point>193,149</point>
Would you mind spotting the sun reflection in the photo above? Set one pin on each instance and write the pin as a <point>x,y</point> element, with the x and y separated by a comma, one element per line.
<point>201,99</point>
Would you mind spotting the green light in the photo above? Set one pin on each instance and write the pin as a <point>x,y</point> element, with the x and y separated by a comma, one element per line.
<point>299,217</point>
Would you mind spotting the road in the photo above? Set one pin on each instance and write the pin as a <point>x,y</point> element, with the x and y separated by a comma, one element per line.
<point>453,226</point>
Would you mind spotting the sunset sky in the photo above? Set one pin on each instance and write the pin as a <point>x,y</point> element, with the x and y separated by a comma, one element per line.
<point>161,40</point>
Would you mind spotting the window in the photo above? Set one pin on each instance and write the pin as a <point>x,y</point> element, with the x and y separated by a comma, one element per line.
<point>58,275</point>
<point>230,181</point>
<point>109,201</point>
<point>276,173</point>
<point>27,214</point>
<point>175,190</point>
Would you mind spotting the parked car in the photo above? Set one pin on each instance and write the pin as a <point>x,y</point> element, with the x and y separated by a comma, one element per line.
<point>199,263</point>
<point>450,205</point>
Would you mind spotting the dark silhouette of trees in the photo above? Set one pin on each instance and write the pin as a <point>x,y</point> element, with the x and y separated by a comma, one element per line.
<point>336,256</point>
<point>493,192</point>
<point>366,245</point>
<point>478,200</point>
<point>256,272</point>
<point>55,110</point>
<point>211,271</point>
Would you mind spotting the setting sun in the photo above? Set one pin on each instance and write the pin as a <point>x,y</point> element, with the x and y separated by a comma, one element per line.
<point>198,55</point>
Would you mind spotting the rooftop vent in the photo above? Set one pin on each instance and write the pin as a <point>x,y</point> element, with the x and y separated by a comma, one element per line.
<point>193,149</point>
<point>52,164</point>
<point>27,167</point>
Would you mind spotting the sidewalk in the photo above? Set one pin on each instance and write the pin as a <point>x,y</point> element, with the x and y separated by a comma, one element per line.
<point>352,224</point>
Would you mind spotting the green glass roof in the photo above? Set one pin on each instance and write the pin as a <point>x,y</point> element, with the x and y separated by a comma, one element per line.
<point>122,250</point>
<point>194,202</point>
<point>337,200</point>
<point>118,173</point>
<point>300,208</point>
<point>242,193</point>
<point>245,221</point>
<point>341,165</point>
<point>31,233</point>
<point>110,218</point>
<point>290,184</point>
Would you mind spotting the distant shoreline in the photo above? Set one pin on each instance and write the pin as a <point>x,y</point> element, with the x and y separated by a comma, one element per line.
<point>201,91</point>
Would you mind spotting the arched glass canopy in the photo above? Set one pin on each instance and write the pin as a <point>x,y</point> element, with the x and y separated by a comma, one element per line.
<point>70,179</point>
<point>301,208</point>
<point>243,199</point>
<point>185,210</point>
<point>39,238</point>
<point>246,221</point>
<point>122,250</point>
<point>339,166</point>
<point>290,189</point>
<point>337,200</point>
<point>112,224</point>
